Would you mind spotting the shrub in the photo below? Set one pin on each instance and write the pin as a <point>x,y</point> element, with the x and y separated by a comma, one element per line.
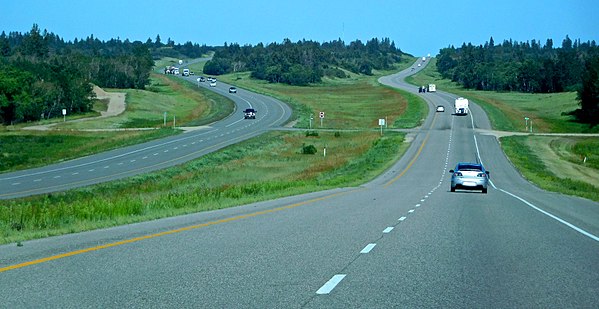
<point>308,149</point>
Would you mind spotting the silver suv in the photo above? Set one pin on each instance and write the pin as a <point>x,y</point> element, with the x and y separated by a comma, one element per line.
<point>469,176</point>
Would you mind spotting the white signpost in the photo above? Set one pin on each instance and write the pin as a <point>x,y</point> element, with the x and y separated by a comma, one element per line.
<point>381,123</point>
<point>321,118</point>
<point>64,115</point>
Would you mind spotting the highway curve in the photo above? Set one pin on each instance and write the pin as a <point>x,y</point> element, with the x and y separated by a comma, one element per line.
<point>403,240</point>
<point>154,155</point>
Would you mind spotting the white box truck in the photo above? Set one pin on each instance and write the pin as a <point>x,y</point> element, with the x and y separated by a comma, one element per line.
<point>432,87</point>
<point>461,106</point>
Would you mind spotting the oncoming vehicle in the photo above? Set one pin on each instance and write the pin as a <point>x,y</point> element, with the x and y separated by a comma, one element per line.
<point>440,108</point>
<point>232,90</point>
<point>469,176</point>
<point>249,113</point>
<point>213,84</point>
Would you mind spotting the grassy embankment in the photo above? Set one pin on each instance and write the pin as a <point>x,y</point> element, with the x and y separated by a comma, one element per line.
<point>258,169</point>
<point>21,149</point>
<point>555,163</point>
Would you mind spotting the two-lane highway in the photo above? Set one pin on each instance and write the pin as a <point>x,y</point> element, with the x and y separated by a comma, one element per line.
<point>152,155</point>
<point>402,240</point>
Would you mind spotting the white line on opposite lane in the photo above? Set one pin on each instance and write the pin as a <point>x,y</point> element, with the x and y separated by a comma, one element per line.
<point>330,285</point>
<point>368,248</point>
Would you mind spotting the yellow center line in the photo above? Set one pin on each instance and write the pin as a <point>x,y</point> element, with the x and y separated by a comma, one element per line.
<point>415,156</point>
<point>169,232</point>
<point>198,226</point>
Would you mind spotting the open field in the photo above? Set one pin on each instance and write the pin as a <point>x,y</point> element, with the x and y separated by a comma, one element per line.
<point>554,163</point>
<point>166,94</point>
<point>262,168</point>
<point>549,170</point>
<point>356,102</point>
<point>21,149</point>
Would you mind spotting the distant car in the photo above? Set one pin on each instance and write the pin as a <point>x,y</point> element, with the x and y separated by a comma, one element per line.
<point>202,79</point>
<point>469,176</point>
<point>232,90</point>
<point>440,108</point>
<point>249,113</point>
<point>192,73</point>
<point>212,84</point>
<point>185,72</point>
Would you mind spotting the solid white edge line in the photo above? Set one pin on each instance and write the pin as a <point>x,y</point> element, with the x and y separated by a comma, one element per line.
<point>330,285</point>
<point>558,219</point>
<point>568,224</point>
<point>368,248</point>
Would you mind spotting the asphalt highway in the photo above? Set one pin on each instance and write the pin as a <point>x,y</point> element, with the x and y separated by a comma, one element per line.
<point>402,240</point>
<point>154,155</point>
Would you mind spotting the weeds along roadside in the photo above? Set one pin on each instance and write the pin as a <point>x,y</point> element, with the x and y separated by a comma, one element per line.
<point>228,177</point>
<point>259,169</point>
<point>506,111</point>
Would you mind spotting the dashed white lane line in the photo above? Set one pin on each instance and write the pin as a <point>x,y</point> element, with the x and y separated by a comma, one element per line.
<point>37,180</point>
<point>16,183</point>
<point>330,285</point>
<point>145,157</point>
<point>417,205</point>
<point>411,210</point>
<point>401,219</point>
<point>388,230</point>
<point>75,173</point>
<point>56,177</point>
<point>368,248</point>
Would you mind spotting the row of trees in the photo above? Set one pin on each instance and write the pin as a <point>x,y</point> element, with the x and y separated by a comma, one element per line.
<point>41,74</point>
<point>517,66</point>
<point>305,61</point>
<point>528,67</point>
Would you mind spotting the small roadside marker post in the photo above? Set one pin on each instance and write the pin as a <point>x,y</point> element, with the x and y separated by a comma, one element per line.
<point>381,124</point>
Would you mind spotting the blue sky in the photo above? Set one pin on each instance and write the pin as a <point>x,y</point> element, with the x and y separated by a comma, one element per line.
<point>416,27</point>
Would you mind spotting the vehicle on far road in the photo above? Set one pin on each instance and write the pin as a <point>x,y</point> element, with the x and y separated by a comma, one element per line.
<point>232,90</point>
<point>249,113</point>
<point>440,108</point>
<point>432,87</point>
<point>469,176</point>
<point>461,106</point>
<point>185,72</point>
<point>212,84</point>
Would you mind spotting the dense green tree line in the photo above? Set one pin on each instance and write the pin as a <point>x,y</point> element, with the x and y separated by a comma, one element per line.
<point>41,74</point>
<point>304,62</point>
<point>527,67</point>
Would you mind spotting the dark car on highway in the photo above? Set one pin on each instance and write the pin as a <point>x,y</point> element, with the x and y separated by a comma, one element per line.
<point>469,176</point>
<point>249,113</point>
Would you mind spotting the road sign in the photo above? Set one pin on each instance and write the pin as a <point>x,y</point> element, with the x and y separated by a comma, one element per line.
<point>321,114</point>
